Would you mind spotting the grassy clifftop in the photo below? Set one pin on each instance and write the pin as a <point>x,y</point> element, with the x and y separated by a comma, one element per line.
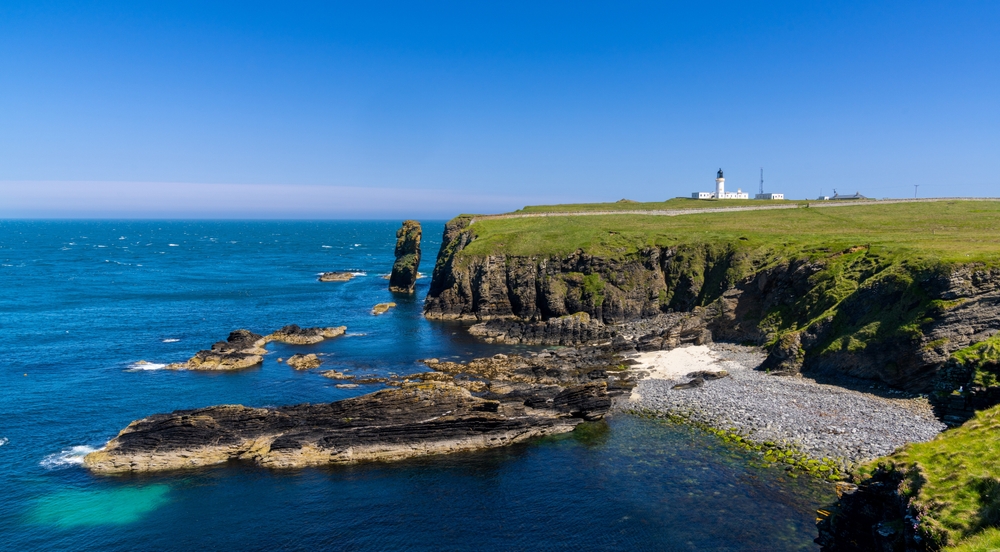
<point>669,205</point>
<point>952,484</point>
<point>952,232</point>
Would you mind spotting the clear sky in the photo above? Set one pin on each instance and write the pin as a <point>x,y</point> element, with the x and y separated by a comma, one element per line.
<point>376,109</point>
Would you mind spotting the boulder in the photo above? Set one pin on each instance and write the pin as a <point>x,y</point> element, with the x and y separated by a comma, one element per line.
<point>304,362</point>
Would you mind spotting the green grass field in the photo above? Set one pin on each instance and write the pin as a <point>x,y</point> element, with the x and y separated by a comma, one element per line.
<point>947,231</point>
<point>669,205</point>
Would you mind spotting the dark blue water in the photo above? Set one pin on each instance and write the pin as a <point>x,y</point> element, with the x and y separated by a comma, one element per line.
<point>82,302</point>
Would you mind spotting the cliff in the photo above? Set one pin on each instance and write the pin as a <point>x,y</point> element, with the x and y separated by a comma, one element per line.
<point>821,304</point>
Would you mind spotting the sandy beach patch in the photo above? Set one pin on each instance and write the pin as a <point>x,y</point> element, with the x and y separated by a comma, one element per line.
<point>675,364</point>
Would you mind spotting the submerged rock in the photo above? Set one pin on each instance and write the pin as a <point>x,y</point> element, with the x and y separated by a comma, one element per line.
<point>304,362</point>
<point>333,374</point>
<point>336,276</point>
<point>404,270</point>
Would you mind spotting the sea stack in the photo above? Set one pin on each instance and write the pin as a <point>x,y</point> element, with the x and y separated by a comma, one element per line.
<point>404,270</point>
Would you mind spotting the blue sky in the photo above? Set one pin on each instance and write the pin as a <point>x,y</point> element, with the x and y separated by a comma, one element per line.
<point>368,109</point>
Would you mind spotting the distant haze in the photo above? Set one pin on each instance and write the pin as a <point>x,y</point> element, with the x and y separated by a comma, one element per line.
<point>364,110</point>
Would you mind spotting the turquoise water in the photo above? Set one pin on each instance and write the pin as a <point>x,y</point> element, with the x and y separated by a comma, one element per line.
<point>82,302</point>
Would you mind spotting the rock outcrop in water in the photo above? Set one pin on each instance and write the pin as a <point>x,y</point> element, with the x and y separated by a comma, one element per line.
<point>304,362</point>
<point>849,312</point>
<point>294,335</point>
<point>483,404</point>
<point>245,349</point>
<point>336,276</point>
<point>242,349</point>
<point>404,270</point>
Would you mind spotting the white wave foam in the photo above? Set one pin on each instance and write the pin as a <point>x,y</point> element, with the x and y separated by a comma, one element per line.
<point>143,365</point>
<point>357,245</point>
<point>4,441</point>
<point>173,245</point>
<point>171,340</point>
<point>66,458</point>
<point>327,247</point>
<point>360,273</point>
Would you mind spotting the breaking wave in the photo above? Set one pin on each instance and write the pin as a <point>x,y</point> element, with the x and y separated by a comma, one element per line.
<point>143,365</point>
<point>171,340</point>
<point>66,458</point>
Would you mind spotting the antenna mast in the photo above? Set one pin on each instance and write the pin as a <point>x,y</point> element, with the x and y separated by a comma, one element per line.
<point>762,180</point>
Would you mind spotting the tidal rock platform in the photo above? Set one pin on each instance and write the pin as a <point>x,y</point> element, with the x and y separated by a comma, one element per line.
<point>486,403</point>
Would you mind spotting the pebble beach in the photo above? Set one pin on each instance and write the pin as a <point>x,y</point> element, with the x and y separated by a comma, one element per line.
<point>818,419</point>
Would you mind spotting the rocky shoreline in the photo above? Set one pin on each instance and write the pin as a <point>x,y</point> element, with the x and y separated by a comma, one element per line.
<point>820,420</point>
<point>488,402</point>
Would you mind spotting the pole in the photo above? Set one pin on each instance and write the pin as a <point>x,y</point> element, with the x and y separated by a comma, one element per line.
<point>915,186</point>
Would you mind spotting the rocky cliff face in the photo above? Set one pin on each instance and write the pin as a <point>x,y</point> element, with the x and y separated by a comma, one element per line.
<point>404,270</point>
<point>850,311</point>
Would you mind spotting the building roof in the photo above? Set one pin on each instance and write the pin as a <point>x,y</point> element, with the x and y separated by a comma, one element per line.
<point>857,195</point>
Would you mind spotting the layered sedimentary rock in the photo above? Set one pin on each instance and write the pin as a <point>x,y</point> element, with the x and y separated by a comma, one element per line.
<point>486,403</point>
<point>841,312</point>
<point>245,349</point>
<point>404,270</point>
<point>382,308</point>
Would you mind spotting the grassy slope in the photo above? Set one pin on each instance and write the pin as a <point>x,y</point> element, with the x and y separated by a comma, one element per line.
<point>960,231</point>
<point>957,482</point>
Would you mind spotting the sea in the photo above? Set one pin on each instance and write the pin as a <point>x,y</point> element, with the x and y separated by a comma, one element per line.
<point>92,311</point>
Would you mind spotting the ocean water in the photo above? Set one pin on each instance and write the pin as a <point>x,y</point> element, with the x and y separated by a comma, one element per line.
<point>83,302</point>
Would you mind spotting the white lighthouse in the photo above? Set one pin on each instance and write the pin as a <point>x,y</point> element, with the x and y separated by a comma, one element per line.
<point>720,191</point>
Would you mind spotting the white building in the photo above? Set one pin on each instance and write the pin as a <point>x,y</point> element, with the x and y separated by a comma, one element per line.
<point>720,191</point>
<point>769,196</point>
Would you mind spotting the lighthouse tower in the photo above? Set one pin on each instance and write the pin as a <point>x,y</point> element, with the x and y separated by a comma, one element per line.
<point>720,186</point>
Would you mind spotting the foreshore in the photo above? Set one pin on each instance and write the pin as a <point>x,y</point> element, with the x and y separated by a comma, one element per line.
<point>819,420</point>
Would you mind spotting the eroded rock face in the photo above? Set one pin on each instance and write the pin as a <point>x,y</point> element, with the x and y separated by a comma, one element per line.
<point>885,329</point>
<point>483,404</point>
<point>404,270</point>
